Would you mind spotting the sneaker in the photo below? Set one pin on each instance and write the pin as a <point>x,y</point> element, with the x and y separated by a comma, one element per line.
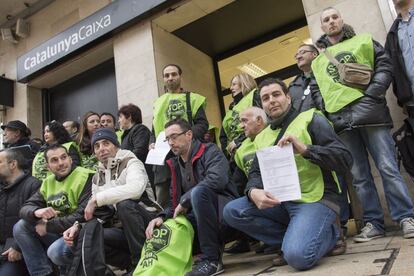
<point>206,268</point>
<point>407,226</point>
<point>240,246</point>
<point>339,248</point>
<point>369,232</point>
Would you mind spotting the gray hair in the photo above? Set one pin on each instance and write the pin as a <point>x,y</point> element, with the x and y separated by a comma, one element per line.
<point>257,112</point>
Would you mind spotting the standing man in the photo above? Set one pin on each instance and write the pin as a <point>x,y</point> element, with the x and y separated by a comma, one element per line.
<point>72,128</point>
<point>17,134</point>
<point>303,89</point>
<point>174,104</point>
<point>200,188</point>
<point>16,187</point>
<point>363,121</point>
<point>305,229</point>
<point>400,47</point>
<point>55,207</point>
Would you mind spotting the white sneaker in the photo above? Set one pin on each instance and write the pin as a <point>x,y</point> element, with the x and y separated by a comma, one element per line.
<point>407,226</point>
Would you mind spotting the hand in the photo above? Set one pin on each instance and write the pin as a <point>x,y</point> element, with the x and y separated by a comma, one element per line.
<point>232,146</point>
<point>70,234</point>
<point>12,255</point>
<point>298,146</point>
<point>46,213</point>
<point>151,146</point>
<point>263,199</point>
<point>41,228</point>
<point>150,228</point>
<point>179,210</point>
<point>90,208</point>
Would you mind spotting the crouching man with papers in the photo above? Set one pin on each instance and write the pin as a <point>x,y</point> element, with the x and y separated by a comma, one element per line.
<point>305,228</point>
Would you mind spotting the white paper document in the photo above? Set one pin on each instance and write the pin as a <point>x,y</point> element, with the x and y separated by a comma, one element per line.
<point>279,173</point>
<point>156,156</point>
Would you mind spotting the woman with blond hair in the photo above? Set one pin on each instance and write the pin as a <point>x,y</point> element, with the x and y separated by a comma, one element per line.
<point>244,92</point>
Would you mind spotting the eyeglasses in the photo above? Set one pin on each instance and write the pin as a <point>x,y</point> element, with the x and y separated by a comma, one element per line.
<point>302,52</point>
<point>174,136</point>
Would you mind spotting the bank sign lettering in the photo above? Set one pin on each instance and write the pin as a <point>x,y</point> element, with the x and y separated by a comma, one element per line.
<point>109,19</point>
<point>64,45</point>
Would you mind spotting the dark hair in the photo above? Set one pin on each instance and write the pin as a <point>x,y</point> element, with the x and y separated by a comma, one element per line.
<point>15,155</point>
<point>54,146</point>
<point>75,124</point>
<point>108,114</point>
<point>311,46</point>
<point>183,124</point>
<point>133,111</point>
<point>59,132</point>
<point>175,65</point>
<point>270,81</point>
<point>82,138</point>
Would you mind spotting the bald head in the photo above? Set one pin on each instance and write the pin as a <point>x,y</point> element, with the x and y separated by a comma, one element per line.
<point>253,120</point>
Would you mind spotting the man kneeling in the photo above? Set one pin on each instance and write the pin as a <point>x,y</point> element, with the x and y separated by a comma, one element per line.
<point>304,229</point>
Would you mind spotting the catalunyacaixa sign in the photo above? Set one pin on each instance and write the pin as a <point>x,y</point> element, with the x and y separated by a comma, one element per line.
<point>83,33</point>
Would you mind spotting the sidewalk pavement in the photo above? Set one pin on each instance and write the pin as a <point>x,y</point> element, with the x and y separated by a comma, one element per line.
<point>391,255</point>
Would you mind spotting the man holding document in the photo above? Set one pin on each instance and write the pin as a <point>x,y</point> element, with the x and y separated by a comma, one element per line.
<point>302,223</point>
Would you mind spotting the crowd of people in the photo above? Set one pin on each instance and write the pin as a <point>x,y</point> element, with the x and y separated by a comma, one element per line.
<point>92,171</point>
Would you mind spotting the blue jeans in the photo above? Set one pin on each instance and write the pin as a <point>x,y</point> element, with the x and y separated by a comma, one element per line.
<point>60,254</point>
<point>305,231</point>
<point>34,247</point>
<point>379,143</point>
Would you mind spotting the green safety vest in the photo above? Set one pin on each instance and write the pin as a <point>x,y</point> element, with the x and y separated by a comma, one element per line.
<point>172,106</point>
<point>310,175</point>
<point>63,195</point>
<point>39,167</point>
<point>231,122</point>
<point>119,133</point>
<point>358,49</point>
<point>244,155</point>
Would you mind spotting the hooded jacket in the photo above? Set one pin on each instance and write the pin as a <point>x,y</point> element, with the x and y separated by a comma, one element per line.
<point>12,198</point>
<point>371,109</point>
<point>210,169</point>
<point>124,178</point>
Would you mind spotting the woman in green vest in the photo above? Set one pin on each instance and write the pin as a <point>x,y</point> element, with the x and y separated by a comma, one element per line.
<point>244,92</point>
<point>54,132</point>
<point>90,123</point>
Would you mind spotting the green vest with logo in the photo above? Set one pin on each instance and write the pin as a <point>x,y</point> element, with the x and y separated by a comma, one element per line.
<point>39,167</point>
<point>63,195</point>
<point>231,122</point>
<point>310,175</point>
<point>244,155</point>
<point>358,49</point>
<point>172,106</point>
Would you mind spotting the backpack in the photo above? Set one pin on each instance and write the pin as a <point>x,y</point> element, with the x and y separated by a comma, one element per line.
<point>89,254</point>
<point>404,142</point>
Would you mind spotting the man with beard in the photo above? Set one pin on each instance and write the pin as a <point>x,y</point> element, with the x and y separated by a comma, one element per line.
<point>174,104</point>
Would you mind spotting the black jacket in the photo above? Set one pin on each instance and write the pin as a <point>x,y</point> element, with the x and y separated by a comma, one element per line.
<point>371,109</point>
<point>400,82</point>
<point>136,139</point>
<point>58,224</point>
<point>312,100</point>
<point>12,198</point>
<point>327,151</point>
<point>210,168</point>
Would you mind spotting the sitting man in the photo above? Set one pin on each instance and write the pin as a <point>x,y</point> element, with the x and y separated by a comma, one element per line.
<point>200,187</point>
<point>121,181</point>
<point>305,229</point>
<point>51,210</point>
<point>16,187</point>
<point>252,121</point>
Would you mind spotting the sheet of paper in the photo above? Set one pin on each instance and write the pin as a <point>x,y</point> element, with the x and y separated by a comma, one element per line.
<point>156,156</point>
<point>279,173</point>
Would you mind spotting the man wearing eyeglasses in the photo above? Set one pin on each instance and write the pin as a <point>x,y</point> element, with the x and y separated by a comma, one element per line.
<point>303,89</point>
<point>200,188</point>
<point>174,104</point>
